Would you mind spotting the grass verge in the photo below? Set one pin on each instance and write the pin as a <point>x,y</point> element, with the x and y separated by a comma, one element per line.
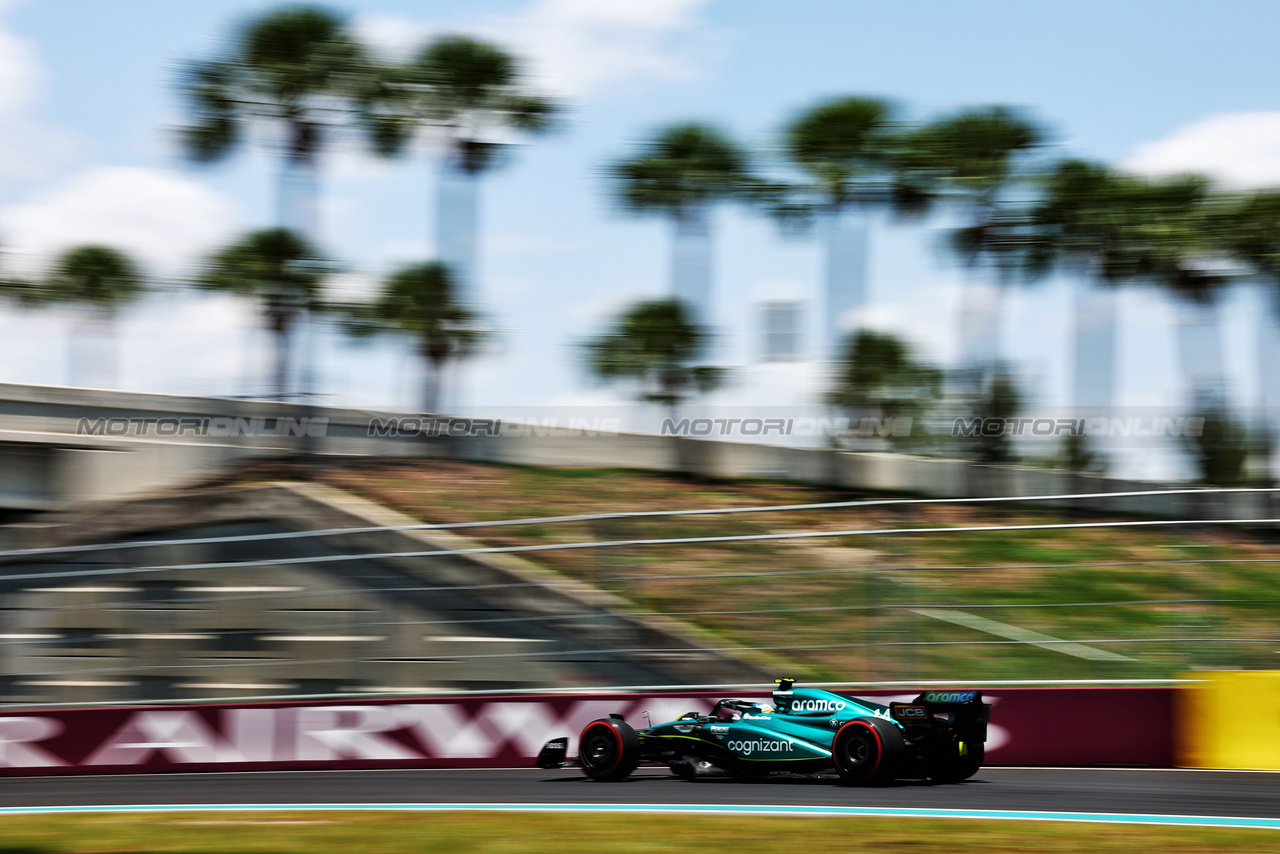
<point>458,832</point>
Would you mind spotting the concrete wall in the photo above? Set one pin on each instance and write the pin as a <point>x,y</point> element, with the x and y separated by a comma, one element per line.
<point>46,462</point>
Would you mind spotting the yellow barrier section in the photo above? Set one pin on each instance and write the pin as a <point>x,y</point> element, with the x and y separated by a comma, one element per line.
<point>1231,719</point>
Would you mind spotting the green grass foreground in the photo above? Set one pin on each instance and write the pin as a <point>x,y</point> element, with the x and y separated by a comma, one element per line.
<point>346,832</point>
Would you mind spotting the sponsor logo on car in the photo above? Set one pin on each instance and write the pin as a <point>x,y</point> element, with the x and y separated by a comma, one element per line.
<point>949,696</point>
<point>759,745</point>
<point>917,713</point>
<point>719,729</point>
<point>798,706</point>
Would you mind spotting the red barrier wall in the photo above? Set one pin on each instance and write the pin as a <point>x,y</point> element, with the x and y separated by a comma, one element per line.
<point>1031,726</point>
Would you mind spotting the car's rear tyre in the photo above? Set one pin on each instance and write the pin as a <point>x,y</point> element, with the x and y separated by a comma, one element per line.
<point>955,767</point>
<point>609,750</point>
<point>867,751</point>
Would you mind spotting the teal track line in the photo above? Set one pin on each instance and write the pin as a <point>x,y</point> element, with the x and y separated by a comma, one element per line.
<point>690,809</point>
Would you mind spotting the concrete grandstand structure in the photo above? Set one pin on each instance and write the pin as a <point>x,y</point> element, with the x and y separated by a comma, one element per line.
<point>171,622</point>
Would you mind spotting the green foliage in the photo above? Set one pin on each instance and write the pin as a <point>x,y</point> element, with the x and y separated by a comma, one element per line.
<point>969,157</point>
<point>467,88</point>
<point>23,293</point>
<point>1078,454</point>
<point>1121,229</point>
<point>279,269</point>
<point>93,276</point>
<point>96,276</point>
<point>295,64</point>
<point>845,146</point>
<point>1001,400</point>
<point>683,168</point>
<point>878,374</point>
<point>657,345</point>
<point>276,266</point>
<point>1221,449</point>
<point>420,302</point>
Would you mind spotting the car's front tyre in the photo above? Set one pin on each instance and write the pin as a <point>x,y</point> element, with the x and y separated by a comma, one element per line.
<point>608,750</point>
<point>867,751</point>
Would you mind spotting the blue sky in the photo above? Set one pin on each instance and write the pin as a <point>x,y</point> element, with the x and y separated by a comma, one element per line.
<point>87,104</point>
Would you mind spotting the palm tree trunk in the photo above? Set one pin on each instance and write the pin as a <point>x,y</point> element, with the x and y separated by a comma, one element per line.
<point>456,217</point>
<point>1094,342</point>
<point>1093,339</point>
<point>299,183</point>
<point>846,277</point>
<point>1268,356</point>
<point>92,352</point>
<point>1200,352</point>
<point>299,190</point>
<point>280,329</point>
<point>691,262</point>
<point>431,386</point>
<point>980,313</point>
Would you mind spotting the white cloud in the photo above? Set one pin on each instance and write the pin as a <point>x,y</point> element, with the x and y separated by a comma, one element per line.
<point>1241,150</point>
<point>20,74</point>
<point>28,149</point>
<point>395,36</point>
<point>165,220</point>
<point>581,47</point>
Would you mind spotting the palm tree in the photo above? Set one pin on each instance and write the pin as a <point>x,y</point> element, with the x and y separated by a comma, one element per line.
<point>879,373</point>
<point>470,92</point>
<point>1251,234</point>
<point>845,149</point>
<point>420,301</point>
<point>657,345</point>
<point>295,69</point>
<point>284,273</point>
<point>1089,222</point>
<point>1182,223</point>
<point>680,173</point>
<point>23,293</point>
<point>971,162</point>
<point>1116,229</point>
<point>99,279</point>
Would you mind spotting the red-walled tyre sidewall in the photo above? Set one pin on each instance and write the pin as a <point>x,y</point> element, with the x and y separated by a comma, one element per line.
<point>608,750</point>
<point>867,751</point>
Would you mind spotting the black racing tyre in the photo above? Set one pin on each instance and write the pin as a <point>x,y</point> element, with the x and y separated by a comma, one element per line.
<point>955,768</point>
<point>609,750</point>
<point>867,751</point>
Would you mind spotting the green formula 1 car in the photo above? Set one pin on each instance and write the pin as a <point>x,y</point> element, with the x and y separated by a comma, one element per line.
<point>940,735</point>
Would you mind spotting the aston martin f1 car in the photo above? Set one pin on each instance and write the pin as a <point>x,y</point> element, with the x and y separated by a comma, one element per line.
<point>939,735</point>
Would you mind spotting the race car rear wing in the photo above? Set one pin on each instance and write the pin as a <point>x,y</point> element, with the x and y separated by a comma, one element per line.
<point>962,712</point>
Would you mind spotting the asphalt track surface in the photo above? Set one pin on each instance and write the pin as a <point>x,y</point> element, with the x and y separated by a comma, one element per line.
<point>1164,792</point>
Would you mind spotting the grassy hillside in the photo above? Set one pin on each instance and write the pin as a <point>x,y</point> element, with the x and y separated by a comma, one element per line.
<point>1145,602</point>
